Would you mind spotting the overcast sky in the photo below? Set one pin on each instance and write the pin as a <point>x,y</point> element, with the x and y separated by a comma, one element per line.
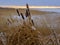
<point>31,2</point>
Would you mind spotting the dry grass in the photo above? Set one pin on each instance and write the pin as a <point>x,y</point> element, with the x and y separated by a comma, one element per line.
<point>24,36</point>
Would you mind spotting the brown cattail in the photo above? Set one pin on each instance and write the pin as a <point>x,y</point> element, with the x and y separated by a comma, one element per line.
<point>27,11</point>
<point>17,12</point>
<point>22,15</point>
<point>32,22</point>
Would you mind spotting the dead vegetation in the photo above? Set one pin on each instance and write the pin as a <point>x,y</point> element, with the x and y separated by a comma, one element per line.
<point>24,36</point>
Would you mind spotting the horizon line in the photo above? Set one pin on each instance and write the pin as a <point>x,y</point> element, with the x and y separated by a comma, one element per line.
<point>17,7</point>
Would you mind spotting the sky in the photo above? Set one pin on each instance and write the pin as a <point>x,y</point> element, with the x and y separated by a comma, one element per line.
<point>31,2</point>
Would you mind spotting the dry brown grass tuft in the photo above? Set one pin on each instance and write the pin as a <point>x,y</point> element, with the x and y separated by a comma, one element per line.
<point>24,36</point>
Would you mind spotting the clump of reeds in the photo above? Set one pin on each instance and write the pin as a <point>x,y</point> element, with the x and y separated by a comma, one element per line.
<point>24,36</point>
